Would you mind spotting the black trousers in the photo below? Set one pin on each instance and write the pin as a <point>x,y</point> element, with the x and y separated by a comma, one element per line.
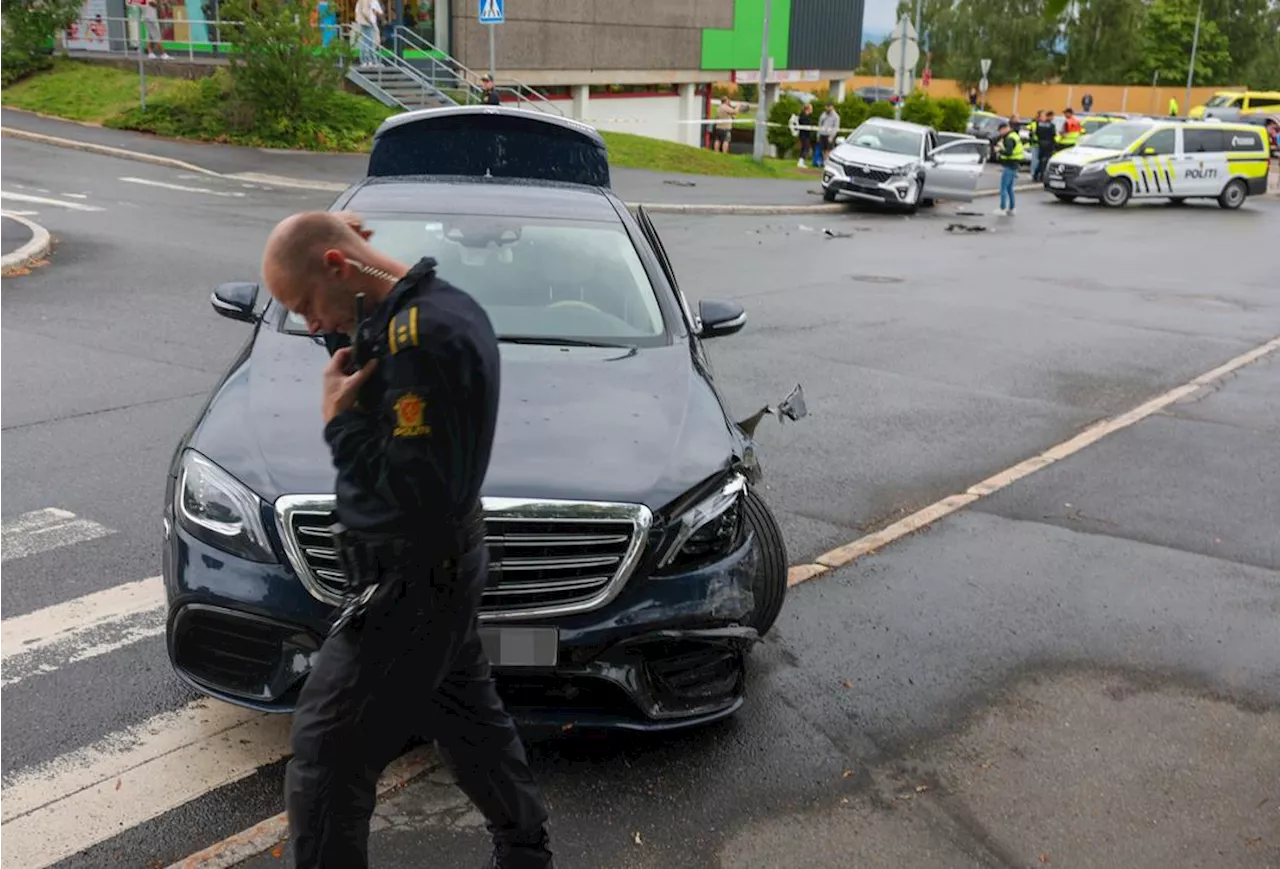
<point>414,667</point>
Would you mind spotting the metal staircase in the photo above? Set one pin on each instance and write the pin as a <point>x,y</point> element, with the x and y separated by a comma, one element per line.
<point>431,78</point>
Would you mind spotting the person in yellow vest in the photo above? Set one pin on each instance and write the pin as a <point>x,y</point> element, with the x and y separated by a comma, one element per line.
<point>1173,108</point>
<point>1009,152</point>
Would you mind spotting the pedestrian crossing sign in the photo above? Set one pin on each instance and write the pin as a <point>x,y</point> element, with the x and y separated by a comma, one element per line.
<point>493,11</point>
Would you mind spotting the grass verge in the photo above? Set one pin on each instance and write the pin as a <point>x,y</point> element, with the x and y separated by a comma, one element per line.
<point>205,110</point>
<point>82,91</point>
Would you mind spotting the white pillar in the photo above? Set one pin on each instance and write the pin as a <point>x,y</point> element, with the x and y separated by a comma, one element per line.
<point>836,89</point>
<point>581,94</point>
<point>690,111</point>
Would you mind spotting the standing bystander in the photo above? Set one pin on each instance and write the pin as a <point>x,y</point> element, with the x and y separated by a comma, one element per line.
<point>1009,152</point>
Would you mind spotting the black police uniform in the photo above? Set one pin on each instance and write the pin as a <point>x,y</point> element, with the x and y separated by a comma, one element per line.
<point>410,460</point>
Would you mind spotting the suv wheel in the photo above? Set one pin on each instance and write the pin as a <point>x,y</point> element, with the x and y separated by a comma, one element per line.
<point>828,194</point>
<point>771,581</point>
<point>1116,193</point>
<point>1234,194</point>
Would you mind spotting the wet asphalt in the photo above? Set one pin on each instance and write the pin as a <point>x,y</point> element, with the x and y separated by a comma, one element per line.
<point>1084,667</point>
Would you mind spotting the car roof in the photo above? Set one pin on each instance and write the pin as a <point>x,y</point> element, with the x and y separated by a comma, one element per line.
<point>898,125</point>
<point>505,197</point>
<point>415,115</point>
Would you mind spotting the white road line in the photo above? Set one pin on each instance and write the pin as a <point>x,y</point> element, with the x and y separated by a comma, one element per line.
<point>49,639</point>
<point>59,808</point>
<point>45,530</point>
<point>183,187</point>
<point>863,546</point>
<point>22,213</point>
<point>44,200</point>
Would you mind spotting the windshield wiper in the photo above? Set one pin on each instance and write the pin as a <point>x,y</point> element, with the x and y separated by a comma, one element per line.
<point>560,342</point>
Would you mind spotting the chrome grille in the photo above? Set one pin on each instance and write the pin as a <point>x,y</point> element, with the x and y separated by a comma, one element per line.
<point>545,557</point>
<point>866,173</point>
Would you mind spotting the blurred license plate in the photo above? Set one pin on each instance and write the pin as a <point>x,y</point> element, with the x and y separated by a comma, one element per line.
<point>521,647</point>
<point>1053,183</point>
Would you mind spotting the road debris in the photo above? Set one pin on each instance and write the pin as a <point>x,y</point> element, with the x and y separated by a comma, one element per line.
<point>965,227</point>
<point>674,183</point>
<point>636,837</point>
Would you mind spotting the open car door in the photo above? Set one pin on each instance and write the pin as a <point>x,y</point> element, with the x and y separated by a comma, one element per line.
<point>489,141</point>
<point>952,171</point>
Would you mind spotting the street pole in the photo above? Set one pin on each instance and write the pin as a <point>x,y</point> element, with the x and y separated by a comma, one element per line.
<point>901,75</point>
<point>491,29</point>
<point>1191,70</point>
<point>911,82</point>
<point>762,117</point>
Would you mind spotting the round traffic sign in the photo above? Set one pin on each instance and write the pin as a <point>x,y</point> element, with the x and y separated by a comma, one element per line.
<point>894,55</point>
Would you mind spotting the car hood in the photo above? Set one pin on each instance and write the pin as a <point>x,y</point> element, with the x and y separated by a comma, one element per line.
<point>1082,154</point>
<point>871,157</point>
<point>580,423</point>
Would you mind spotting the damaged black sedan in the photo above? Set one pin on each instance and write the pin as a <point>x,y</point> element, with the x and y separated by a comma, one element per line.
<point>633,564</point>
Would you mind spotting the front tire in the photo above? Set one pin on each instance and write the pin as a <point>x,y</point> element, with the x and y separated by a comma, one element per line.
<point>1233,195</point>
<point>1117,192</point>
<point>828,194</point>
<point>770,588</point>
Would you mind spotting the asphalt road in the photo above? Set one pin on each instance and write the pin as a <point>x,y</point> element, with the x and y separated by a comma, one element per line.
<point>1080,670</point>
<point>13,235</point>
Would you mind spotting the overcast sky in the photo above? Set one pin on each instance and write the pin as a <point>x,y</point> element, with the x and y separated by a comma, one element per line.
<point>878,19</point>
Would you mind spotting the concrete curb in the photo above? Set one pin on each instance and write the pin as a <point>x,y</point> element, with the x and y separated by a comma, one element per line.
<point>107,150</point>
<point>29,252</point>
<point>338,187</point>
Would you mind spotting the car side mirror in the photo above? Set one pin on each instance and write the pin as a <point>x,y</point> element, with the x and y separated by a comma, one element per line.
<point>720,318</point>
<point>1148,151</point>
<point>840,140</point>
<point>235,301</point>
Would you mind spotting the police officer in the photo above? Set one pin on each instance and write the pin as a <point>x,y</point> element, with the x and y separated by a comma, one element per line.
<point>1009,151</point>
<point>411,433</point>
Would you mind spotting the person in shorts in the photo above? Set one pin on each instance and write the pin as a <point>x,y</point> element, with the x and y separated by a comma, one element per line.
<point>723,132</point>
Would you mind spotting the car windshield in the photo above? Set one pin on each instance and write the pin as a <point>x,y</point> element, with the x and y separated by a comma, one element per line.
<point>1115,136</point>
<point>1220,100</point>
<point>879,137</point>
<point>539,280</point>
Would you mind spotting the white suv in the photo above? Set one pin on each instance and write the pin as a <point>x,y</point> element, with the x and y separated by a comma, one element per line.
<point>902,164</point>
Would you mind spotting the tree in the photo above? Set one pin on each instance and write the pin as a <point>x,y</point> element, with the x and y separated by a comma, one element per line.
<point>280,70</point>
<point>1167,32</point>
<point>29,25</point>
<point>1103,40</point>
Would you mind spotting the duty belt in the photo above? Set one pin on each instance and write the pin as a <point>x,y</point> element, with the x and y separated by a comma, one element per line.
<point>367,557</point>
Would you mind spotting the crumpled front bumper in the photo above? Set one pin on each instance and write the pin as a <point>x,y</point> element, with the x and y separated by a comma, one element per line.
<point>900,190</point>
<point>668,652</point>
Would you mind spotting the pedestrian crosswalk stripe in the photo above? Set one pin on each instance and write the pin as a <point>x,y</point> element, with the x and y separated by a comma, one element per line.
<point>59,808</point>
<point>49,639</point>
<point>44,530</point>
<point>44,200</point>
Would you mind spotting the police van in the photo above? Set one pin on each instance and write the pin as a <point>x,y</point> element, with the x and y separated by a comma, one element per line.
<point>1175,160</point>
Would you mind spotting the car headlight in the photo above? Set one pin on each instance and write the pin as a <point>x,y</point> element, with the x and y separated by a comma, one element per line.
<point>215,507</point>
<point>902,171</point>
<point>1090,168</point>
<point>709,529</point>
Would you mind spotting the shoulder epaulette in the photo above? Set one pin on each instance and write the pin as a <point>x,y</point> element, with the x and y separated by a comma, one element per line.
<point>402,332</point>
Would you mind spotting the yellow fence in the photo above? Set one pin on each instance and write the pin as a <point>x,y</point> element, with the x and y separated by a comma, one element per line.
<point>1025,100</point>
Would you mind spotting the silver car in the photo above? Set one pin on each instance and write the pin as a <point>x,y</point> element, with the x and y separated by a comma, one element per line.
<point>903,165</point>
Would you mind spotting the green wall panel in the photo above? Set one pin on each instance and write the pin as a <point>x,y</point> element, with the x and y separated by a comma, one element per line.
<point>739,48</point>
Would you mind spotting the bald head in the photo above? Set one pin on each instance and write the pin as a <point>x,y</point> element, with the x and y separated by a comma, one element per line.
<point>315,262</point>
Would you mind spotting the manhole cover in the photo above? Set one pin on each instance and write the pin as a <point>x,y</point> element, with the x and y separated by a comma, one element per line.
<point>877,279</point>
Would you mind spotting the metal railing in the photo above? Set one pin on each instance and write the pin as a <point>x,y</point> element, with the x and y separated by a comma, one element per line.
<point>464,79</point>
<point>371,77</point>
<point>129,35</point>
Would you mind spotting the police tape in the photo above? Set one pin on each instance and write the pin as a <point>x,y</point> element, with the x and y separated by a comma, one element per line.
<point>735,121</point>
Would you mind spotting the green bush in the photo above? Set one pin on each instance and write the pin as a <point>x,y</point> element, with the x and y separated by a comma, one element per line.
<point>212,109</point>
<point>282,89</point>
<point>881,109</point>
<point>780,113</point>
<point>955,114</point>
<point>853,111</point>
<point>919,109</point>
<point>29,28</point>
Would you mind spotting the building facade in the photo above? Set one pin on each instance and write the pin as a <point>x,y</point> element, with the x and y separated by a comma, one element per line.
<point>645,68</point>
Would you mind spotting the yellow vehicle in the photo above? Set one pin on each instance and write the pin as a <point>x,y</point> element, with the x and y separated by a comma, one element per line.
<point>1230,105</point>
<point>1176,160</point>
